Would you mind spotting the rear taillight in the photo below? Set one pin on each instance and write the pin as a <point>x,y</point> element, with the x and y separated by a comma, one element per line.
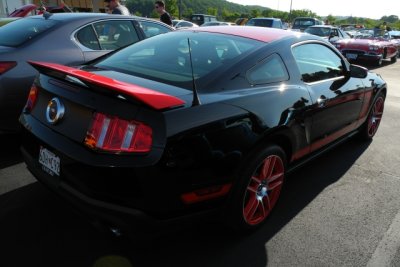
<point>112,134</point>
<point>6,66</point>
<point>32,97</point>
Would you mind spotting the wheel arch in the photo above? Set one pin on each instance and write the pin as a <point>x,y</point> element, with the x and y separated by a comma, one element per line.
<point>281,137</point>
<point>382,90</point>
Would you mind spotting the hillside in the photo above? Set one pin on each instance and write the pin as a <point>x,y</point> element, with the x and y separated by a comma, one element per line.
<point>146,7</point>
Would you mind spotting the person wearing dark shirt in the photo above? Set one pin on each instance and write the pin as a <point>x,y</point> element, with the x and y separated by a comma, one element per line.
<point>115,7</point>
<point>164,15</point>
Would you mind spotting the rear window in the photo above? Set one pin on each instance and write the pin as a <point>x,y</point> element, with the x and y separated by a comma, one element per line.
<point>260,22</point>
<point>165,58</point>
<point>197,18</point>
<point>22,30</point>
<point>304,23</point>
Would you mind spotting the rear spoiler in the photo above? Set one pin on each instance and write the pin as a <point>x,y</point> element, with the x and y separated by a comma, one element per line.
<point>154,99</point>
<point>23,11</point>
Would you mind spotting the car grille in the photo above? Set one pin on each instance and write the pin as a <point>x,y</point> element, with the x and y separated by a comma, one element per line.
<point>358,52</point>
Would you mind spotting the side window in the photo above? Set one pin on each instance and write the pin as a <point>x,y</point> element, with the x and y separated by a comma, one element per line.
<point>151,29</point>
<point>269,70</point>
<point>185,24</point>
<point>114,34</point>
<point>316,62</point>
<point>88,38</point>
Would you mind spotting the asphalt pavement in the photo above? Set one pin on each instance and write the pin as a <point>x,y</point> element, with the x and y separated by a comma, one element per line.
<point>340,210</point>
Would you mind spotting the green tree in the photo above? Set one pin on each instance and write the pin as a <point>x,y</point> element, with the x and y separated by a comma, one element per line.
<point>226,15</point>
<point>302,13</point>
<point>137,13</point>
<point>331,19</point>
<point>187,13</point>
<point>172,7</point>
<point>390,19</point>
<point>266,13</point>
<point>212,11</point>
<point>255,13</point>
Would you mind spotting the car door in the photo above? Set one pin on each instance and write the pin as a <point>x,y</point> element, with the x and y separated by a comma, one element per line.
<point>97,39</point>
<point>337,98</point>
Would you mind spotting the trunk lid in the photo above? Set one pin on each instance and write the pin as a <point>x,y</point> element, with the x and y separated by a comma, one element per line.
<point>84,94</point>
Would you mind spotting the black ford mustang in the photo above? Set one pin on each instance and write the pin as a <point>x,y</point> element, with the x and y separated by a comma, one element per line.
<point>203,121</point>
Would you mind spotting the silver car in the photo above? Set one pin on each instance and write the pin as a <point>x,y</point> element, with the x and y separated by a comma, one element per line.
<point>65,38</point>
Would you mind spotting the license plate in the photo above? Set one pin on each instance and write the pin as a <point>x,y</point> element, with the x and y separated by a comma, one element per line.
<point>351,56</point>
<point>49,161</point>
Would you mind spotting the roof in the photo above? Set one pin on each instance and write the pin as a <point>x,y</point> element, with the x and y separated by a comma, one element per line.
<point>323,26</point>
<point>262,18</point>
<point>262,34</point>
<point>80,15</point>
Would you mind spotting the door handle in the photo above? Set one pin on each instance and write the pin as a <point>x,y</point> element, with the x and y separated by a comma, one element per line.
<point>321,101</point>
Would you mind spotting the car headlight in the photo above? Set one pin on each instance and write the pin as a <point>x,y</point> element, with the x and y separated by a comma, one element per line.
<point>373,47</point>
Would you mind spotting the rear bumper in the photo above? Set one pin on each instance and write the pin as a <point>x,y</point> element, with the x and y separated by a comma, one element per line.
<point>135,200</point>
<point>109,214</point>
<point>129,221</point>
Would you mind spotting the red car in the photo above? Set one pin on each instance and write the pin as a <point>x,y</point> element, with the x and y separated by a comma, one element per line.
<point>373,47</point>
<point>37,10</point>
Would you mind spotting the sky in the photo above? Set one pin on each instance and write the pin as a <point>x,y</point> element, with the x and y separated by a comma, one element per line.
<point>356,8</point>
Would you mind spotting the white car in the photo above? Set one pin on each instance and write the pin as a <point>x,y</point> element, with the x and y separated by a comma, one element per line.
<point>179,23</point>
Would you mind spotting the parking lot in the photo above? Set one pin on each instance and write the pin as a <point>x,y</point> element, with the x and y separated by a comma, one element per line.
<point>340,210</point>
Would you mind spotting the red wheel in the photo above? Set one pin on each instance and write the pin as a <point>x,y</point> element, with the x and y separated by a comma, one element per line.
<point>259,185</point>
<point>263,190</point>
<point>370,127</point>
<point>375,117</point>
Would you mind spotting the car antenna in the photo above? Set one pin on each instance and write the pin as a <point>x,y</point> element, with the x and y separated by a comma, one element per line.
<point>196,100</point>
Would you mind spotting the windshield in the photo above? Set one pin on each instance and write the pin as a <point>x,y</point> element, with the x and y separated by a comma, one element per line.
<point>20,31</point>
<point>376,34</point>
<point>166,57</point>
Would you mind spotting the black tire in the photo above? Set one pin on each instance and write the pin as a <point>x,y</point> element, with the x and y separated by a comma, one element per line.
<point>394,59</point>
<point>259,185</point>
<point>371,125</point>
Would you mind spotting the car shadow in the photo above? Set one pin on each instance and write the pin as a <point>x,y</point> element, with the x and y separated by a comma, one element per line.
<point>41,230</point>
<point>212,244</point>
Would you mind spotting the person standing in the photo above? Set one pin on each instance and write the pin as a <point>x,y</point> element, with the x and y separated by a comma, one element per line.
<point>164,15</point>
<point>116,7</point>
<point>383,26</point>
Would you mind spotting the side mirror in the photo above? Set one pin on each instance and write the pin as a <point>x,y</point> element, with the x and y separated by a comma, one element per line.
<point>358,71</point>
